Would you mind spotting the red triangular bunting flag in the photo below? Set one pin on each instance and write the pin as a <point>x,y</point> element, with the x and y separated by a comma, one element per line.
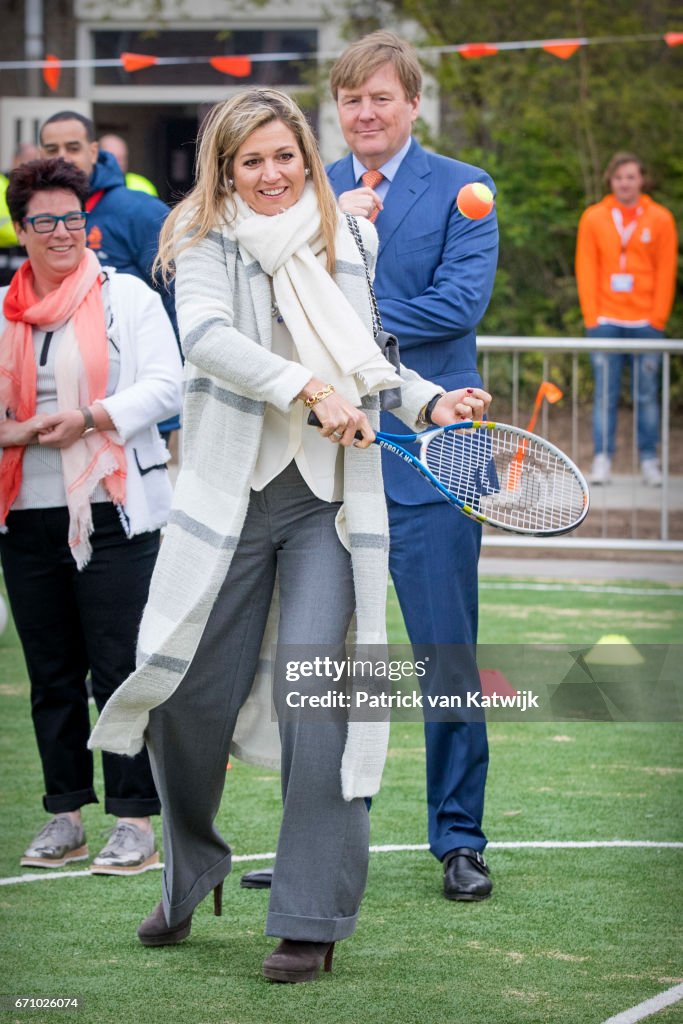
<point>562,48</point>
<point>136,61</point>
<point>673,38</point>
<point>470,50</point>
<point>52,71</point>
<point>239,67</point>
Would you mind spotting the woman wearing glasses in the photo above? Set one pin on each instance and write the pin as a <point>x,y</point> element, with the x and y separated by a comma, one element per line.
<point>88,365</point>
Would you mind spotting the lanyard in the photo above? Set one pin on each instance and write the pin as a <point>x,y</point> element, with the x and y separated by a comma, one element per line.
<point>92,201</point>
<point>625,233</point>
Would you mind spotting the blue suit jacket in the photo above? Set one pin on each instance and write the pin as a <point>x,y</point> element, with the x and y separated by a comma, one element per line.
<point>434,278</point>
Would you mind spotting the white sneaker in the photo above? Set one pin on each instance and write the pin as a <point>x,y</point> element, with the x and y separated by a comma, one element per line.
<point>652,474</point>
<point>602,466</point>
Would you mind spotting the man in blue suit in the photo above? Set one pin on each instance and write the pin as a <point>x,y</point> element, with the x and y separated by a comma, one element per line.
<point>434,278</point>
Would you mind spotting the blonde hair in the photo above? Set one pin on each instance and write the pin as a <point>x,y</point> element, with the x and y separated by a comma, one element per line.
<point>361,59</point>
<point>227,127</point>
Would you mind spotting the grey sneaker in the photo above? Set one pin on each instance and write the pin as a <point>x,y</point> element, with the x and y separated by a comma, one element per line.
<point>58,843</point>
<point>129,851</point>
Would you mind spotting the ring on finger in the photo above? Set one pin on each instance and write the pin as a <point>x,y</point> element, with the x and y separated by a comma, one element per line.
<point>337,434</point>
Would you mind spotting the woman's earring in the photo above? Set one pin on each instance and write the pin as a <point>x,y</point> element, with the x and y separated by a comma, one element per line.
<point>231,183</point>
<point>307,171</point>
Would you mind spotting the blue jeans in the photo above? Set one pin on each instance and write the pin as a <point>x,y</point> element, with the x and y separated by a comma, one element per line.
<point>607,372</point>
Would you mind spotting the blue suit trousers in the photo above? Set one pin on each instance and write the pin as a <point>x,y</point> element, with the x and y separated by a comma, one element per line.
<point>433,563</point>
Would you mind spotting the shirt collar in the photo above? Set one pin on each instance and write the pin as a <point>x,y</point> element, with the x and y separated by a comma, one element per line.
<point>388,169</point>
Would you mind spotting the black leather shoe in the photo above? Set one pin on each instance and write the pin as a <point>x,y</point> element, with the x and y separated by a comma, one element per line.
<point>466,876</point>
<point>261,879</point>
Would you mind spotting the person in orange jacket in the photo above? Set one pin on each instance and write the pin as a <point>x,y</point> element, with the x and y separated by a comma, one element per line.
<point>626,255</point>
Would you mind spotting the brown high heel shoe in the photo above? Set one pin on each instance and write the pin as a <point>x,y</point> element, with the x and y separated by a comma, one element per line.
<point>155,932</point>
<point>295,961</point>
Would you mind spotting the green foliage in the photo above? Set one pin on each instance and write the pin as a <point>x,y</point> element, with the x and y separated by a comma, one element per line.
<point>545,128</point>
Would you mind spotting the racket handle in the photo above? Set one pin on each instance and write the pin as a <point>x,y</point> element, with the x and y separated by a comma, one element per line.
<point>313,421</point>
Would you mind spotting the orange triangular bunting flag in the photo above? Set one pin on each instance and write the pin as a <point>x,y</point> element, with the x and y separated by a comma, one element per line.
<point>562,48</point>
<point>492,682</point>
<point>136,61</point>
<point>673,38</point>
<point>52,71</point>
<point>470,50</point>
<point>239,67</point>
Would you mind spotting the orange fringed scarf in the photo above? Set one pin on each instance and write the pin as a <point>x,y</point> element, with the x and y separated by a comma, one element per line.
<point>81,371</point>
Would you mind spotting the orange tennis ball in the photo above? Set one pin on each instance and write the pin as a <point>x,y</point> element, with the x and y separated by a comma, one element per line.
<point>475,201</point>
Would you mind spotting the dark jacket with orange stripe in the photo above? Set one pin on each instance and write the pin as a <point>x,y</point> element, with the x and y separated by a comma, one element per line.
<point>123,226</point>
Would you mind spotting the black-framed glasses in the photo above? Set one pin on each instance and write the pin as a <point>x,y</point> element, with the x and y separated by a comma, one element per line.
<point>44,223</point>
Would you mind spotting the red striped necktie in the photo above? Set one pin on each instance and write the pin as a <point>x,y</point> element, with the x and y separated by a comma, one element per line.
<point>371,179</point>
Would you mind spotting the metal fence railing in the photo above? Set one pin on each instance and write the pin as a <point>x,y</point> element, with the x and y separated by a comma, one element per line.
<point>625,514</point>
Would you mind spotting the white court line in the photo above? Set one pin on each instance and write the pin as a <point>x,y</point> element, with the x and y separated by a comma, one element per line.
<point>534,844</point>
<point>650,1006</point>
<point>552,844</point>
<point>583,589</point>
<point>45,876</point>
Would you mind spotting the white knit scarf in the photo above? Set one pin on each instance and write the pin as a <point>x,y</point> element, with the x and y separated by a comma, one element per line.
<point>330,338</point>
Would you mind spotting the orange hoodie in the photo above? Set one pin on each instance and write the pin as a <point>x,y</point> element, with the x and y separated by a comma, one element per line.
<point>650,256</point>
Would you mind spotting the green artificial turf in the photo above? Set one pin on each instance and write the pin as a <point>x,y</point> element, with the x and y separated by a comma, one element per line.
<point>571,936</point>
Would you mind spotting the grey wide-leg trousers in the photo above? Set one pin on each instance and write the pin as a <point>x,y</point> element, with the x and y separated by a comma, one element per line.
<point>322,853</point>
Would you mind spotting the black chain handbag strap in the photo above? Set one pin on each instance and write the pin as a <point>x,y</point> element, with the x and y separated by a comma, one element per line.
<point>374,308</point>
<point>390,398</point>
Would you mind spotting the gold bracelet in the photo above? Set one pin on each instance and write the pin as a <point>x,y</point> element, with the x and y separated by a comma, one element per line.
<point>318,396</point>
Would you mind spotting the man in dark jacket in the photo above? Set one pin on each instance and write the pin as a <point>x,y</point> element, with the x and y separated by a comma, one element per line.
<point>123,225</point>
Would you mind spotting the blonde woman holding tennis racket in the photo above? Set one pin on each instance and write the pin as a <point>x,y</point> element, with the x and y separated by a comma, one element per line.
<point>275,321</point>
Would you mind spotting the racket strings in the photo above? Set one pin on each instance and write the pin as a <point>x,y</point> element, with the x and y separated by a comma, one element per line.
<point>513,481</point>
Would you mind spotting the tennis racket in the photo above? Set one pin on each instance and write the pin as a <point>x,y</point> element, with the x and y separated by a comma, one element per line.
<point>497,474</point>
